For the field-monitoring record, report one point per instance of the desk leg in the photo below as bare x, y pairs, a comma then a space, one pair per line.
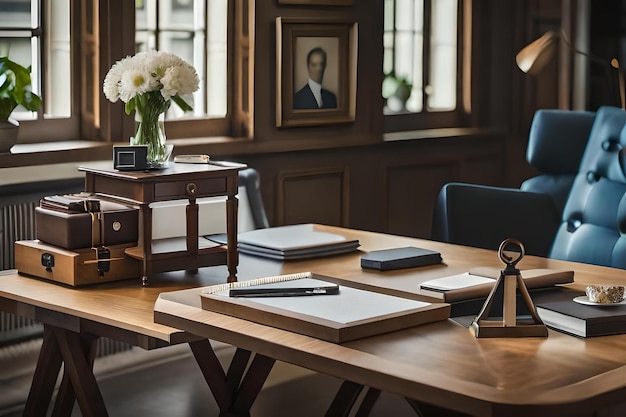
232, 260
77, 353
145, 240
423, 409
44, 379
79, 369
344, 400
236, 390
66, 396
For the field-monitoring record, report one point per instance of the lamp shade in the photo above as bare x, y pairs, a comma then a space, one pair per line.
534, 57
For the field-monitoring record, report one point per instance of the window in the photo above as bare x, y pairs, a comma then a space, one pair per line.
197, 32
24, 40
423, 60
68, 71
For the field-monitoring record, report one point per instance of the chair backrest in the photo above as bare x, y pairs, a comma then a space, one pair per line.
556, 143
483, 216
593, 226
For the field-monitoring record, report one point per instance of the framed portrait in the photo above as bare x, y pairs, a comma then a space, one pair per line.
318, 2
316, 71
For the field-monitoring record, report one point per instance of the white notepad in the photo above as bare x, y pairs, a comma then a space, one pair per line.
455, 282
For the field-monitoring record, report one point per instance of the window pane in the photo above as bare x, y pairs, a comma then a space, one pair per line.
216, 61
18, 45
15, 14
406, 56
196, 31
443, 61
414, 104
58, 94
404, 15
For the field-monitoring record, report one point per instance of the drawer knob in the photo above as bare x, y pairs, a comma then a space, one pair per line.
191, 190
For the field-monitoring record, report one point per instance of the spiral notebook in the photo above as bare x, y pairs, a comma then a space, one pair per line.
348, 314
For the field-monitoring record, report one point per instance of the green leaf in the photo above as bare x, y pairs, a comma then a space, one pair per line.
15, 88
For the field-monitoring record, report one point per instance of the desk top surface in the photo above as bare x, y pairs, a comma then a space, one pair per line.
442, 361
105, 168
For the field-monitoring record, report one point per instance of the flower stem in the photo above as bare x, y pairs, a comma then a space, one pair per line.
150, 106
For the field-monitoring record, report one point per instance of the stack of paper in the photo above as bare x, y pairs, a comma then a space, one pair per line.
299, 241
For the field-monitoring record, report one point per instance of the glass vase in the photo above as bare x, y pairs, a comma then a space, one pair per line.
151, 132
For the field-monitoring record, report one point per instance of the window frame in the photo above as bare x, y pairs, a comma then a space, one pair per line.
115, 124
106, 31
42, 129
461, 115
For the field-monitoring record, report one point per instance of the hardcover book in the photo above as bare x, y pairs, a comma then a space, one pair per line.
583, 320
398, 258
479, 281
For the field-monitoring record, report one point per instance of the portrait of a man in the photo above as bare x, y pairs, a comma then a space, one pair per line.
313, 95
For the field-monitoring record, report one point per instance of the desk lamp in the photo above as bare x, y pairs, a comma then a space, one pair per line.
534, 57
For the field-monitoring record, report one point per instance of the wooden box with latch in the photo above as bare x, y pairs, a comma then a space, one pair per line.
75, 267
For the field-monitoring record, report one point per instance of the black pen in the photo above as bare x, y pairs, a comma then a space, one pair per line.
283, 292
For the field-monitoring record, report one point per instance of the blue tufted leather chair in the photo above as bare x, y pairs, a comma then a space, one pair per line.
575, 210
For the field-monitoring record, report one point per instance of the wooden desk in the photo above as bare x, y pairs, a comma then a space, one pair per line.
441, 364
476, 376
178, 182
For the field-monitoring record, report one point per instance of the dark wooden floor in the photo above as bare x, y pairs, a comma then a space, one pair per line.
170, 384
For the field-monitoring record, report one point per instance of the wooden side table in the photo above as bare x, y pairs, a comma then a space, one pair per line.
177, 182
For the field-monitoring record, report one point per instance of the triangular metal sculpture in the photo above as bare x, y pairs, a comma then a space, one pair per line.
510, 280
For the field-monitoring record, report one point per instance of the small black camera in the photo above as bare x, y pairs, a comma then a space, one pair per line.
130, 157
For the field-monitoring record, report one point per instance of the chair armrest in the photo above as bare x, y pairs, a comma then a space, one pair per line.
483, 216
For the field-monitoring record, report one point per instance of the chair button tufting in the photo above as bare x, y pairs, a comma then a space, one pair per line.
611, 145
573, 225
592, 177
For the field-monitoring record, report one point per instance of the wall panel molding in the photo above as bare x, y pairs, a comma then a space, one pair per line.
315, 195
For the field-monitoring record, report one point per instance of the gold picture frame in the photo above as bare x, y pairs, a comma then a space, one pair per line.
329, 43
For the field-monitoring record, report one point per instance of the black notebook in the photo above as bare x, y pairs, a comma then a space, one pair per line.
583, 320
397, 258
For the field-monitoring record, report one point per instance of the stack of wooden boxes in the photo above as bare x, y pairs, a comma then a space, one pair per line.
81, 240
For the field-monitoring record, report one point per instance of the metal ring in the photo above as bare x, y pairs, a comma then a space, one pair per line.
508, 259
191, 189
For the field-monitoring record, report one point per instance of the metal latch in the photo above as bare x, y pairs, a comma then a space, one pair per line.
47, 260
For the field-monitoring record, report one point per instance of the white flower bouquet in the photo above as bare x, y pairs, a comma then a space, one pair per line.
148, 82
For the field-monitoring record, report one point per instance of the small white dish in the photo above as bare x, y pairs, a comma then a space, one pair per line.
583, 299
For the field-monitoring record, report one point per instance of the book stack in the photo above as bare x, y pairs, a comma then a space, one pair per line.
291, 242
478, 282
582, 320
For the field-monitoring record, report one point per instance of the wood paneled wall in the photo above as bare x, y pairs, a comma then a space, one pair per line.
388, 187
348, 175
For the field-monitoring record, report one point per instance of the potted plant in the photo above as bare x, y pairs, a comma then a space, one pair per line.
396, 90
15, 90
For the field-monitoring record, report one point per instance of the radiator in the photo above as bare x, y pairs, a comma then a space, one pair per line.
18, 223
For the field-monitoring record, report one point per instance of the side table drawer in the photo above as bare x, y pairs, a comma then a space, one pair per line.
176, 190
